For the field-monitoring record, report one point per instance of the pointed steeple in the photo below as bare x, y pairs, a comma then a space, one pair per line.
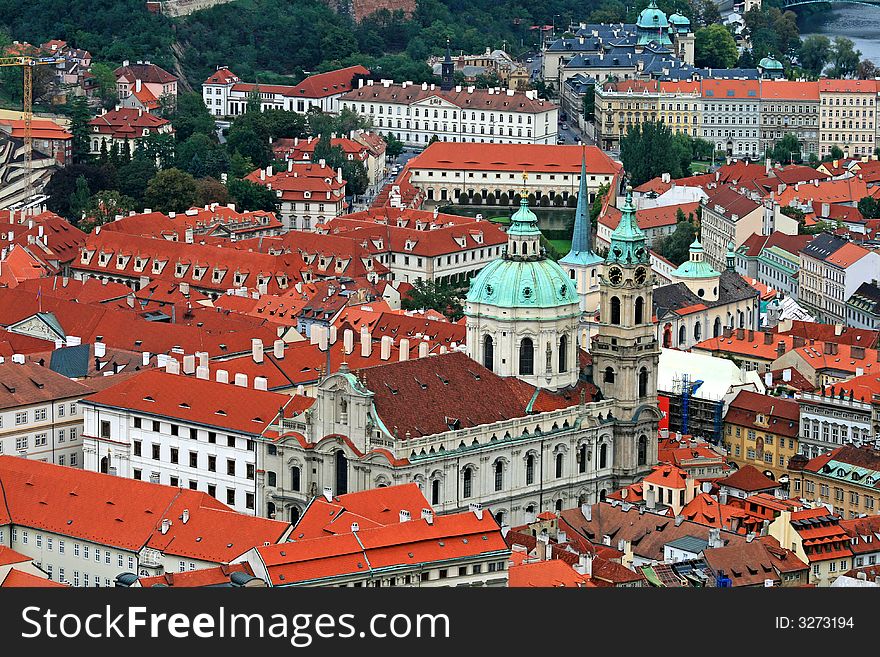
524, 236
628, 241
447, 71
580, 252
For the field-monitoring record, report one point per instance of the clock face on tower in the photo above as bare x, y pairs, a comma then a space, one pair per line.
615, 275
641, 275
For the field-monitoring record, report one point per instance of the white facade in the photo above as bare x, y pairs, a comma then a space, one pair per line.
172, 452
828, 423
47, 431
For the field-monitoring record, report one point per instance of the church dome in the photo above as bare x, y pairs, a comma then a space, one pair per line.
770, 63
652, 18
523, 284
678, 19
524, 277
696, 266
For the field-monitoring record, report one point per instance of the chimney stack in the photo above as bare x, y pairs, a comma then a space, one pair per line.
257, 350
428, 516
241, 380
366, 342
477, 509
202, 372
261, 383
348, 341
328, 493
145, 359
172, 366
100, 349
404, 349
386, 342
222, 376
278, 349
423, 349
189, 364
404, 515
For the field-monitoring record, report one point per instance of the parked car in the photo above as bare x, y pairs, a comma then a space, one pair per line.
529, 60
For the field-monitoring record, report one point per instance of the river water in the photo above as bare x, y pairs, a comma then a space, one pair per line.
859, 23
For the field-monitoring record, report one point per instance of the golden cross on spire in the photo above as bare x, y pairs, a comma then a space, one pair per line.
525, 189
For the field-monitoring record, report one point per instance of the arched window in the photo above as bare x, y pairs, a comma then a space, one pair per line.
643, 382
559, 504
526, 356
559, 465
513, 247
742, 319
468, 482
698, 331
499, 518
295, 477
270, 509
563, 353
271, 478
615, 310
294, 515
667, 335
608, 377
582, 458
643, 450
530, 469
499, 475
640, 310
716, 328
488, 352
682, 335
603, 455
435, 491
341, 473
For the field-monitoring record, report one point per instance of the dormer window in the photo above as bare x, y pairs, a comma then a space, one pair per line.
217, 275
140, 263
238, 279
198, 272
121, 261
158, 265
103, 259
410, 244
307, 195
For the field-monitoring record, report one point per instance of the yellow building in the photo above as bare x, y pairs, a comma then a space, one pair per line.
845, 478
761, 431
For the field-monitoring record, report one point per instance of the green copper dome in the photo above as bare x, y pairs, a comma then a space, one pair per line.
523, 284
652, 18
628, 241
696, 266
678, 19
770, 63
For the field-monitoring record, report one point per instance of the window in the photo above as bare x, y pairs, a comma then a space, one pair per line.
39, 414
230, 496
559, 462
563, 353
174, 455
435, 491
156, 452
105, 429
250, 471
271, 478
499, 475
137, 447
615, 310
230, 467
488, 352
212, 463
294, 477
249, 500
530, 469
468, 482
194, 459
526, 357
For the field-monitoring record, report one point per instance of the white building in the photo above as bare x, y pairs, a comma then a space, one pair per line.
86, 528
418, 113
227, 96
183, 431
41, 416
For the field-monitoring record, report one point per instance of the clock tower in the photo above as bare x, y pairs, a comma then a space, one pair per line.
625, 349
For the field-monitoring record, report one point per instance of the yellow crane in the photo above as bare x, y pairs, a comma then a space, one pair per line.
27, 62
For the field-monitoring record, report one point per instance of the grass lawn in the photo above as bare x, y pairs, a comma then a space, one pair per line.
562, 246
699, 167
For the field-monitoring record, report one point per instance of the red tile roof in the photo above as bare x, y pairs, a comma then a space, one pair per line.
848, 86
145, 72
752, 563
205, 402
650, 217
535, 158
9, 556
749, 479
668, 476
847, 255
782, 416
475, 99
197, 578
22, 384
20, 579
544, 574
127, 122
731, 202
127, 514
833, 333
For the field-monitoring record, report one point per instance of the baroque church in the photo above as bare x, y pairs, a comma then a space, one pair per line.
523, 419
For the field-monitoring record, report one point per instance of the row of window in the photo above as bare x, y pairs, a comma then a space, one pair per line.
181, 431
23, 443
232, 495
41, 414
193, 460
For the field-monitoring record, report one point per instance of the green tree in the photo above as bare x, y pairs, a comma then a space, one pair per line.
79, 128
202, 156
714, 47
159, 147
355, 175
867, 70
132, 178
106, 79
393, 146
869, 207
62, 185
248, 195
814, 53
589, 103
703, 13
683, 150
843, 58
787, 150
649, 150
171, 190
103, 207
435, 296
191, 116
210, 190
79, 200
676, 247
251, 142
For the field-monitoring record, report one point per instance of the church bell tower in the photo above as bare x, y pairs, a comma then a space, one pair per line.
447, 71
625, 349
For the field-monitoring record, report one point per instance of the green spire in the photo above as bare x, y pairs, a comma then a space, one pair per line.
581, 253
628, 241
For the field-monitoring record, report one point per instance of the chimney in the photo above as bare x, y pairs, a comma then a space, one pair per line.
348, 341
650, 498
584, 565
786, 374
257, 350
185, 516
261, 383
202, 372
278, 349
722, 496
715, 540
797, 342
477, 509
202, 357
428, 516
423, 349
189, 364
172, 366
222, 376
241, 380
366, 342
768, 379
328, 493
332, 334
73, 341
100, 349
838, 329
768, 337
355, 528
587, 512
323, 335
404, 349
780, 348
145, 359
386, 343
740, 334
404, 515
166, 525
750, 537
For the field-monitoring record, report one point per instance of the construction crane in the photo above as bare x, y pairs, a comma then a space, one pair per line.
27, 63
